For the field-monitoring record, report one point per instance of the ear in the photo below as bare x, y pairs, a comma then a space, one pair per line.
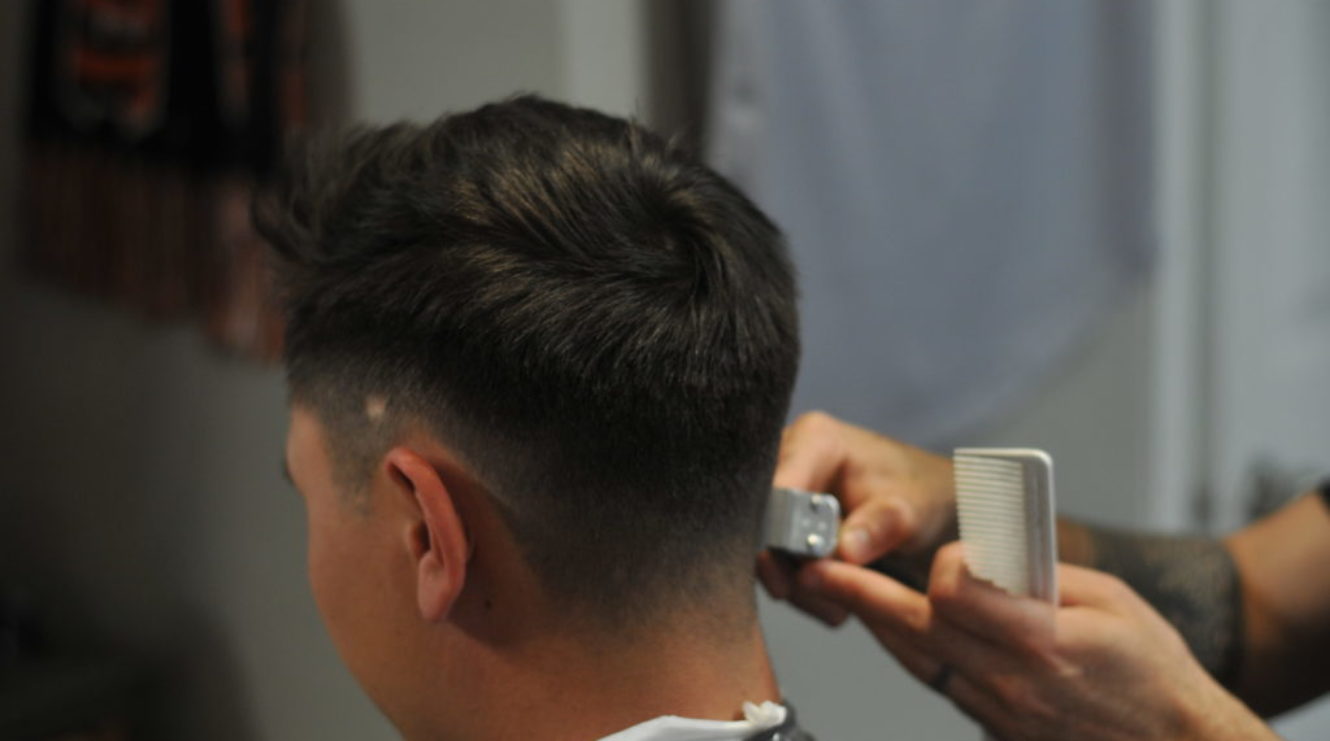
437, 538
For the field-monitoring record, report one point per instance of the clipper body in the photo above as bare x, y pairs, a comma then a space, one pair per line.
802, 523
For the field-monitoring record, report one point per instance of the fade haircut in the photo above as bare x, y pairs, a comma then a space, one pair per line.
602, 327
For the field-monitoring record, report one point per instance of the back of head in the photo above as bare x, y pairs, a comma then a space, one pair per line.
599, 325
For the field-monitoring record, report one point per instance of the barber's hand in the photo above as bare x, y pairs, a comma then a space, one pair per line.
1102, 667
897, 499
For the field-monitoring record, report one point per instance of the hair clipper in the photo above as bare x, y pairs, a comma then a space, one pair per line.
802, 523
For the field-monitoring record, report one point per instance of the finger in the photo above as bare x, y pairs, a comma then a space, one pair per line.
901, 619
873, 597
1092, 600
875, 529
921, 664
774, 577
983, 609
829, 613
943, 645
777, 574
1082, 587
922, 651
973, 670
979, 703
812, 453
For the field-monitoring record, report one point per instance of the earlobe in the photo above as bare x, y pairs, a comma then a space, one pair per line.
437, 537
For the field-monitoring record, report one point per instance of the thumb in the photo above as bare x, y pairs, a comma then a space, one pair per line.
1082, 587
874, 529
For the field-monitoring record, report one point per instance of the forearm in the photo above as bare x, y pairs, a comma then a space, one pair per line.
1254, 607
1284, 563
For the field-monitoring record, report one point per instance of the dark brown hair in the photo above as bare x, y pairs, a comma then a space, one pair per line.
602, 326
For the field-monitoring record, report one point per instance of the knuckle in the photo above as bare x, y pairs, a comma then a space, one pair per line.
1114, 588
1068, 673
951, 556
945, 589
944, 593
816, 421
1024, 699
1009, 691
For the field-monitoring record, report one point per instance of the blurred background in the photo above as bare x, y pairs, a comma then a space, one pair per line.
1100, 228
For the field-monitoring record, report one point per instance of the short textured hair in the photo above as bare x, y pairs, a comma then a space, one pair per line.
600, 325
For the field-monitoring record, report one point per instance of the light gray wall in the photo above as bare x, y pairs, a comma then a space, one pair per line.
414, 60
1092, 416
140, 498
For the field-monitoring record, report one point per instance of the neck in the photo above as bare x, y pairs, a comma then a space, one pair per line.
575, 689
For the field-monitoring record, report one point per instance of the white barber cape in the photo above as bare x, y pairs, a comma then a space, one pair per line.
757, 718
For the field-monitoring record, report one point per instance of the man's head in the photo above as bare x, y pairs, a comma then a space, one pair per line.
565, 320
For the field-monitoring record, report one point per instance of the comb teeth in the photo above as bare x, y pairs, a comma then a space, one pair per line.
990, 498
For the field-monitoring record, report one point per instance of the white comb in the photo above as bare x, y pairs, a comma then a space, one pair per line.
1004, 498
